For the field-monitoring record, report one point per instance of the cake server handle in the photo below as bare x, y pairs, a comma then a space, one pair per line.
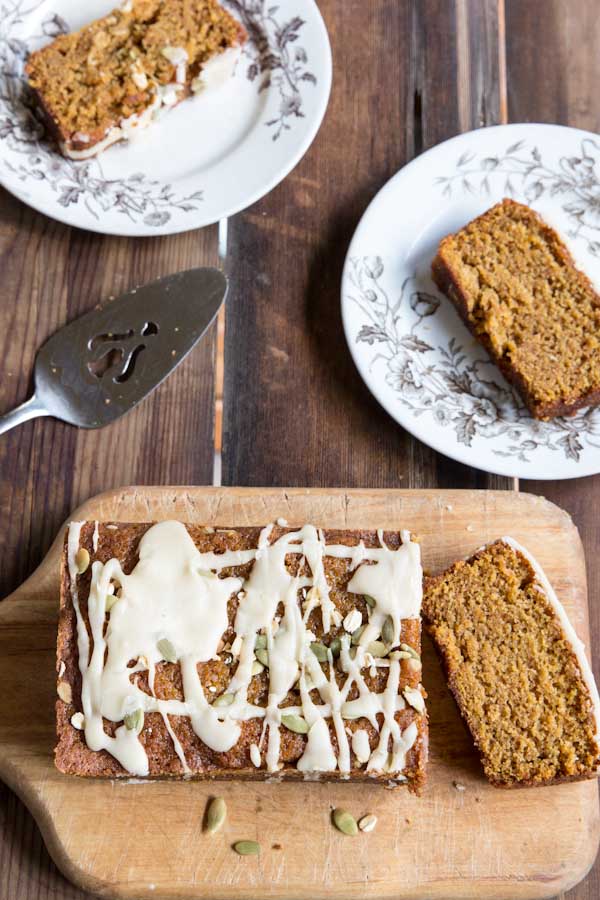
28, 410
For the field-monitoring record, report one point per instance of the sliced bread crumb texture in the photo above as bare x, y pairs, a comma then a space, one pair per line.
513, 669
90, 81
514, 283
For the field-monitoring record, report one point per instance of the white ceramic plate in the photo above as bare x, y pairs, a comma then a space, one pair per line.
409, 344
207, 159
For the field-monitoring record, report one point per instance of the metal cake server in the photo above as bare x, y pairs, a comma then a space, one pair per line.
97, 368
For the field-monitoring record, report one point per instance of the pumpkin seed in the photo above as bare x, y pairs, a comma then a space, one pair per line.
387, 632
134, 721
78, 721
353, 620
247, 848
377, 649
295, 723
370, 601
399, 654
216, 813
410, 650
82, 560
335, 647
345, 822
352, 652
64, 691
356, 635
261, 642
262, 656
110, 601
167, 650
368, 822
257, 667
414, 698
224, 700
320, 651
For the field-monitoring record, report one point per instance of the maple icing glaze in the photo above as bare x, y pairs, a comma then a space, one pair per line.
174, 603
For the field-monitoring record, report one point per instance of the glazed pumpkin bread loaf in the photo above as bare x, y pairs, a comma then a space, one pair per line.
240, 653
516, 669
515, 285
107, 81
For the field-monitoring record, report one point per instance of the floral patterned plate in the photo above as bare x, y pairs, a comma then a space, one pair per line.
409, 344
210, 157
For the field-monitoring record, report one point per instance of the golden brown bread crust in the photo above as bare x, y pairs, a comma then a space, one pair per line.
121, 540
451, 673
450, 283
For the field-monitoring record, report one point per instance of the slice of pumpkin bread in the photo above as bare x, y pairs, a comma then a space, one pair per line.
514, 283
109, 80
516, 668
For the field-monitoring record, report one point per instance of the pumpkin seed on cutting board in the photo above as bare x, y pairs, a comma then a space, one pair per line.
247, 848
345, 822
216, 813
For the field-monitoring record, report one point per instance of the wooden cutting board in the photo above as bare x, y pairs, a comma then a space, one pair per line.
461, 839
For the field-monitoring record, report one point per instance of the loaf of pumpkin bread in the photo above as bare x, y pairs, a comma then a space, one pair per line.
189, 651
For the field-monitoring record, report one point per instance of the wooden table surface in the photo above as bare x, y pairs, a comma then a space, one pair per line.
407, 74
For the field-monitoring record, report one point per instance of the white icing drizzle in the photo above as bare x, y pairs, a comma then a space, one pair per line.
577, 645
95, 537
318, 755
173, 597
360, 745
216, 71
255, 756
381, 581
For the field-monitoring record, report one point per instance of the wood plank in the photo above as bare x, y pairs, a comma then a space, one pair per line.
553, 65
50, 275
431, 838
295, 410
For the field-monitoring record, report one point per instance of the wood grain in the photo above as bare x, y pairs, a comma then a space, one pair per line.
560, 85
407, 75
434, 854
50, 275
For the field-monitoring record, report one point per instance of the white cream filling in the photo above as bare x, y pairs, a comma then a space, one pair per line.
173, 599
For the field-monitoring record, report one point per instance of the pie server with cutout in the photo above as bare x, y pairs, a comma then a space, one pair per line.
97, 368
